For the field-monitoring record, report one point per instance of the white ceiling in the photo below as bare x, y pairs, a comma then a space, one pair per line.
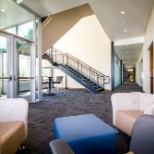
129, 53
13, 14
108, 13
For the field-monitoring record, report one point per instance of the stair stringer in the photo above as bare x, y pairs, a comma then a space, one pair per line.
79, 80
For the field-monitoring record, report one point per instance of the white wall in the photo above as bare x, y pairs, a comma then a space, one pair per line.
88, 42
149, 38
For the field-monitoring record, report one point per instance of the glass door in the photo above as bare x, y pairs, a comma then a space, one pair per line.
17, 67
4, 77
24, 69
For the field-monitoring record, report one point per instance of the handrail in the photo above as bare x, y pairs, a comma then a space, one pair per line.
84, 69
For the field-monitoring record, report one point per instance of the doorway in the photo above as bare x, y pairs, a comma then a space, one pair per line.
17, 67
151, 63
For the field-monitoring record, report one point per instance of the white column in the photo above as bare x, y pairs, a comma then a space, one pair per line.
33, 64
39, 61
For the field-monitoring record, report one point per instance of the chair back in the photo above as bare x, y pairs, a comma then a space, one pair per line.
14, 109
142, 141
59, 79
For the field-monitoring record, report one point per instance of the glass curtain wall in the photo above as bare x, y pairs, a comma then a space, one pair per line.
3, 66
26, 26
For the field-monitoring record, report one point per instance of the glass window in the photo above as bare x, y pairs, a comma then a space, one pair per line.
11, 30
45, 72
2, 44
24, 66
26, 30
4, 65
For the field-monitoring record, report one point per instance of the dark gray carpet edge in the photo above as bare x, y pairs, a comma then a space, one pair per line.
74, 102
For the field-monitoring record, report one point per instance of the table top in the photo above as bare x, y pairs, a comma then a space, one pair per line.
50, 77
82, 126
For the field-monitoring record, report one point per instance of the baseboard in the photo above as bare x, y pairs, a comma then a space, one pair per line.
75, 88
70, 88
107, 90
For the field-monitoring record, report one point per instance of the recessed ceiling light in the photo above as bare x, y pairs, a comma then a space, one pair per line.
127, 52
2, 10
124, 22
125, 30
19, 1
123, 12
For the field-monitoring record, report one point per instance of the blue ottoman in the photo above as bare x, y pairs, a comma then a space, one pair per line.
86, 134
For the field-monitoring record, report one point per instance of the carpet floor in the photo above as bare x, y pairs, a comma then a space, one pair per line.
73, 102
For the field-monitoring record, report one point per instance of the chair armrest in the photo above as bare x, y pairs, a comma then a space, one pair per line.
149, 109
59, 146
14, 109
124, 101
130, 152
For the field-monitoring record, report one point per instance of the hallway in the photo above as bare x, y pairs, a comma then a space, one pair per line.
129, 86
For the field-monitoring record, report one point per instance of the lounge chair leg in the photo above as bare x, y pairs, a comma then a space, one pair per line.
22, 147
117, 131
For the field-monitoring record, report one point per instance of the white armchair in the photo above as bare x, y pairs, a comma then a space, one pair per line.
127, 107
13, 124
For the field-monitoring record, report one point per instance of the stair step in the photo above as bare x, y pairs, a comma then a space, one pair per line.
100, 89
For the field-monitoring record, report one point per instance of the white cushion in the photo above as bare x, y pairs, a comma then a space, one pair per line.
125, 101
144, 100
149, 109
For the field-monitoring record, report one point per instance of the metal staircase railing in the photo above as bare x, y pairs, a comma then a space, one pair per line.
85, 70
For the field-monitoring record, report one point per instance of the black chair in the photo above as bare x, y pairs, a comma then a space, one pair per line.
142, 140
59, 146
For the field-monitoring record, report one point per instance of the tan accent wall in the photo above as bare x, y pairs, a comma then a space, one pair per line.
61, 23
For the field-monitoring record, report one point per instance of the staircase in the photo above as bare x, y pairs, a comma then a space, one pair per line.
87, 76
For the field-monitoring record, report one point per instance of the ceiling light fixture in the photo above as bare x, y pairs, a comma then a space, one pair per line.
125, 30
2, 10
19, 1
127, 52
123, 12
124, 22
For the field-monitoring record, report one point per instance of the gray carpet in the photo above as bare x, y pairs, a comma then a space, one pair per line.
74, 102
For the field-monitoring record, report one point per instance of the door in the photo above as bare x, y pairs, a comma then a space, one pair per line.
24, 69
5, 78
17, 67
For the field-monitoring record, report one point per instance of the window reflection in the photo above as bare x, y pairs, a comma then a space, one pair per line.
26, 30
11, 30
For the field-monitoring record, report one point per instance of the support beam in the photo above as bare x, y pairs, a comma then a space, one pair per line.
112, 66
